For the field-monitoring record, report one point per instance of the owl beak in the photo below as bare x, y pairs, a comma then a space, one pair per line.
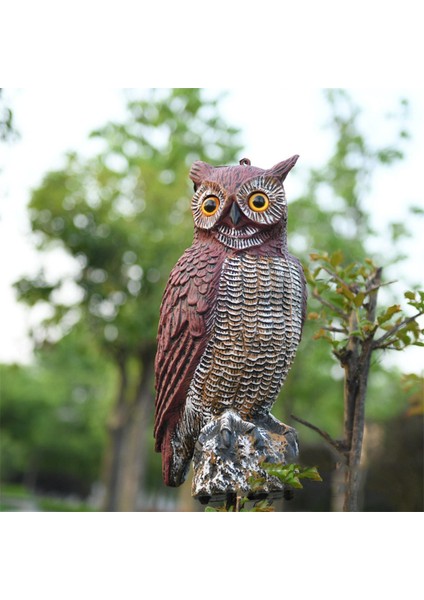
235, 213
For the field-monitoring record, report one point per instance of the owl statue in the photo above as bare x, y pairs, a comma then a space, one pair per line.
232, 312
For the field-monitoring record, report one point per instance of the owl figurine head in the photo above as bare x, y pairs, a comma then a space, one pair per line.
240, 206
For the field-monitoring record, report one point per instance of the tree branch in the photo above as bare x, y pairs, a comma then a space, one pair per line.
335, 330
380, 343
337, 444
380, 285
332, 307
339, 279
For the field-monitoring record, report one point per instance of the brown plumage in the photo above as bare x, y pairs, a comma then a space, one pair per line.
232, 311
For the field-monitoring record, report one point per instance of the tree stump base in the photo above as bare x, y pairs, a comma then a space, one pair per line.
229, 453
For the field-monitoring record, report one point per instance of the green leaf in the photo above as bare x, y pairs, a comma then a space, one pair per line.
322, 334
256, 482
392, 310
410, 295
262, 506
346, 292
292, 473
313, 316
316, 256
294, 482
311, 473
243, 501
337, 258
359, 299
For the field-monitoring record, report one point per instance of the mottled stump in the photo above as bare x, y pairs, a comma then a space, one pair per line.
229, 453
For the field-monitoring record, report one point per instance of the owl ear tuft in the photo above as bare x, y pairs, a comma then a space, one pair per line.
199, 171
282, 169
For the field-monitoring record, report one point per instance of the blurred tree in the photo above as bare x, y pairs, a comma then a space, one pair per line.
124, 216
413, 385
355, 326
8, 131
332, 215
53, 415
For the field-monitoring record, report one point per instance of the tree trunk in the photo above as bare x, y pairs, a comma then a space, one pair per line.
137, 430
357, 362
126, 454
338, 486
116, 427
352, 481
351, 380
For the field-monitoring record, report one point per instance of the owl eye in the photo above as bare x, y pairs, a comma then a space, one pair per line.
210, 205
258, 202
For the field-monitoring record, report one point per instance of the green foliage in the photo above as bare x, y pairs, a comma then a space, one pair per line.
53, 415
16, 497
413, 385
58, 505
124, 215
290, 475
355, 328
345, 293
332, 214
7, 126
124, 218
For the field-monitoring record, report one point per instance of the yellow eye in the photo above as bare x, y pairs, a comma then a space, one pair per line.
258, 201
210, 205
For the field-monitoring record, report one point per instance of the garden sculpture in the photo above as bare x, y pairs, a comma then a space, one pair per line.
230, 324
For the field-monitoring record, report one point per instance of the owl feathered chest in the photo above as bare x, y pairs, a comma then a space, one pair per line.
254, 334
250, 301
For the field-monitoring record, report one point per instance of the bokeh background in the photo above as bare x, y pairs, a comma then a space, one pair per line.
95, 212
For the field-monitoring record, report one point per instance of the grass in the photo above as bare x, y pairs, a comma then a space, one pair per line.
13, 496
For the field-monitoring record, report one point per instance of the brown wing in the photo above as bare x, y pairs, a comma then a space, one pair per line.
184, 328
